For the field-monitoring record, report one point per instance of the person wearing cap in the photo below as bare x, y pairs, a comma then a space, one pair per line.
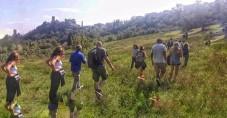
158, 59
100, 70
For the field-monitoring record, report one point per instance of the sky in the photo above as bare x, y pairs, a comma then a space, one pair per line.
26, 15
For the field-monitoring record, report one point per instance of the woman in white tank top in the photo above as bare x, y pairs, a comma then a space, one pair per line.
12, 80
57, 78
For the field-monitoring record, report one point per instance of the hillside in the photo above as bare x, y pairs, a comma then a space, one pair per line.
180, 17
200, 90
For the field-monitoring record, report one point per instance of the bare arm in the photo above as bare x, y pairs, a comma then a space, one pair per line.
181, 53
51, 63
145, 55
109, 63
152, 58
3, 67
6, 68
164, 54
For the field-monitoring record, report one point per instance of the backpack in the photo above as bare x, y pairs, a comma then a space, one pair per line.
140, 56
92, 58
185, 50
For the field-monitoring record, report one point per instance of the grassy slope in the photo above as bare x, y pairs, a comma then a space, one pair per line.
200, 90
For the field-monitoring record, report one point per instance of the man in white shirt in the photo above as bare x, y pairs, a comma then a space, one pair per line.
158, 58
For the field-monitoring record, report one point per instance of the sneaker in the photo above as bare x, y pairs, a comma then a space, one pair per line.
142, 78
80, 86
98, 93
158, 81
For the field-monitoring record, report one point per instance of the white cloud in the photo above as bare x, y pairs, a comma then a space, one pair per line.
49, 17
5, 31
72, 10
21, 21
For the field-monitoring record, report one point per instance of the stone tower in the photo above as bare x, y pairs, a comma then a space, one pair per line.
14, 32
53, 19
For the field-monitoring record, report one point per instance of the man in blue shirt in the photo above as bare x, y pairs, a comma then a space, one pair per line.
76, 59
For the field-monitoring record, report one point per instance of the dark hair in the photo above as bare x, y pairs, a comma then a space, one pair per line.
141, 48
58, 51
159, 40
14, 56
135, 46
186, 44
78, 48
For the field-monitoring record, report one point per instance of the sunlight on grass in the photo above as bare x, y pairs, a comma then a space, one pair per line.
199, 91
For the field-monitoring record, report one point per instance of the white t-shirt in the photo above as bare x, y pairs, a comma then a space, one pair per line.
13, 70
157, 51
58, 64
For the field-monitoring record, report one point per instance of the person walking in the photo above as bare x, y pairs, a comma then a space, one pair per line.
135, 50
158, 58
12, 80
186, 49
175, 55
57, 78
140, 62
76, 59
98, 68
170, 43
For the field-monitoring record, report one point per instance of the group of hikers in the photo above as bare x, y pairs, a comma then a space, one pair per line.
160, 59
96, 58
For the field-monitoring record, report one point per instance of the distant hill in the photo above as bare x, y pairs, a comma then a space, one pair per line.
197, 15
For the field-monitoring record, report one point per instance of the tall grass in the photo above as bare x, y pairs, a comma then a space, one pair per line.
200, 89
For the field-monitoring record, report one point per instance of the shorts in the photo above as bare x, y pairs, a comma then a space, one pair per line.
99, 71
160, 67
143, 65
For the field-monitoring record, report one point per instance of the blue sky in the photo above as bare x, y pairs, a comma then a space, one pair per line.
25, 15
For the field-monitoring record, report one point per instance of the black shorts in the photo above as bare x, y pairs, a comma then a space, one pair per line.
143, 65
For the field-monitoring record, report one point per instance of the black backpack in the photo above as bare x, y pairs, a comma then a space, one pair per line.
140, 56
92, 58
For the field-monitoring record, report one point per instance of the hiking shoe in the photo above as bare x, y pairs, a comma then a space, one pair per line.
98, 93
158, 82
80, 86
142, 78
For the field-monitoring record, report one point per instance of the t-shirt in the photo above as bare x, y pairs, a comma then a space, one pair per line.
76, 59
135, 52
101, 54
157, 51
186, 50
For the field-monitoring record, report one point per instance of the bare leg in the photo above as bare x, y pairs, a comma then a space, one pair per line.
96, 85
161, 74
76, 114
71, 115
171, 71
176, 70
53, 113
101, 84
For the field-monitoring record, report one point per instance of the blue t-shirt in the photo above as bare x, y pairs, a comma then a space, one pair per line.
76, 59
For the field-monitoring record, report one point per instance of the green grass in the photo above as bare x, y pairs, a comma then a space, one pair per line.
200, 89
